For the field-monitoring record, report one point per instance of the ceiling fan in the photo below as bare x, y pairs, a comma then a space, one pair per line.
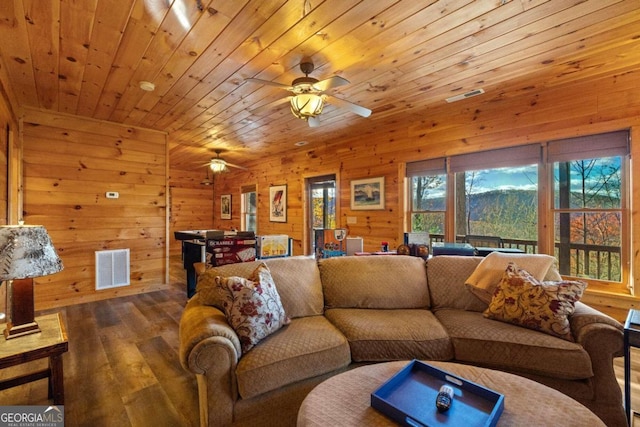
218, 164
309, 95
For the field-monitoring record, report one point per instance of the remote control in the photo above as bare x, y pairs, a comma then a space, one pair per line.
444, 398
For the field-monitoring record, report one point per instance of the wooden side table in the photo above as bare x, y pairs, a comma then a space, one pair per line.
51, 342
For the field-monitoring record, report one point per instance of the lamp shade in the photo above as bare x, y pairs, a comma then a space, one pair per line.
26, 251
306, 105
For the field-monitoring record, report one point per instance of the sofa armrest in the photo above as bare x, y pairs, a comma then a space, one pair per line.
203, 325
210, 348
603, 338
586, 321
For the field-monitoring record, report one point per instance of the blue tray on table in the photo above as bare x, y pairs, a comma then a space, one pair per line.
409, 399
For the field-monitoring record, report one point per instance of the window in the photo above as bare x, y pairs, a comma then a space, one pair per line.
322, 205
589, 205
500, 202
428, 188
497, 193
249, 208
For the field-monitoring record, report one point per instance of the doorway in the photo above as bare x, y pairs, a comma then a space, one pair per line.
322, 205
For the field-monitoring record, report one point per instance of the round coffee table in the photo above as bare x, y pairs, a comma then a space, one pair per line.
345, 399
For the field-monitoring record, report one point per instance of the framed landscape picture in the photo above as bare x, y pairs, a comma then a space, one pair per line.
278, 203
367, 194
225, 206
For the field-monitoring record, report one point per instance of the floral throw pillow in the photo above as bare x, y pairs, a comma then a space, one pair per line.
252, 305
523, 300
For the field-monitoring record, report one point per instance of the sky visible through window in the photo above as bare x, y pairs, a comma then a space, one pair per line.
525, 178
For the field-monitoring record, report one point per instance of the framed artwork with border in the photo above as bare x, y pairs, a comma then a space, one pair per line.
367, 194
225, 206
278, 203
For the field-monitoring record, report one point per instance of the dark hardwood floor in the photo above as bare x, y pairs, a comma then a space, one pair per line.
122, 368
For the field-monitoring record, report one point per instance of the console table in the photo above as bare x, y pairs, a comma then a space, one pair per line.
51, 342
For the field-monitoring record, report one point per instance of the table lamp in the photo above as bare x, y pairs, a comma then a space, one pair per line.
26, 252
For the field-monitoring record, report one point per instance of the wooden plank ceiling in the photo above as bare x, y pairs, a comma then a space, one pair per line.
402, 58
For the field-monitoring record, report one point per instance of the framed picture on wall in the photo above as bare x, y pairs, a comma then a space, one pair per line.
225, 206
278, 203
367, 194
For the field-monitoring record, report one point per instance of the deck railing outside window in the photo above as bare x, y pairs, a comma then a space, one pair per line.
594, 261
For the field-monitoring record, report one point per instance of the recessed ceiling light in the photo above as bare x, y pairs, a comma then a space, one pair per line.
301, 143
147, 86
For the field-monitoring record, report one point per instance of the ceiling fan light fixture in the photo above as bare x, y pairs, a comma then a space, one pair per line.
217, 165
306, 105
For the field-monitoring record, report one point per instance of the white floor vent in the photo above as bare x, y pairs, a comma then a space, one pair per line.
112, 269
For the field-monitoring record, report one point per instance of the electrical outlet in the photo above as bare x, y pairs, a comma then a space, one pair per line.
112, 195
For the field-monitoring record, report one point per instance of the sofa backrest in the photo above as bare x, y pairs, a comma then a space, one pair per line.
297, 280
446, 275
378, 281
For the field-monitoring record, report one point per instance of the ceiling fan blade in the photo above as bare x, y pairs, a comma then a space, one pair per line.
269, 106
330, 83
314, 122
236, 166
270, 83
355, 108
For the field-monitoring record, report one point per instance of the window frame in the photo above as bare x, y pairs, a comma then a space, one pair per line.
413, 211
244, 211
624, 286
549, 150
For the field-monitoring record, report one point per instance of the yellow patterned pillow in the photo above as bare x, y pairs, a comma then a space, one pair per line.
523, 300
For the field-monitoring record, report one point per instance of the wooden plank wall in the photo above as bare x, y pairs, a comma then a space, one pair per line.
69, 165
8, 131
480, 123
191, 204
7, 126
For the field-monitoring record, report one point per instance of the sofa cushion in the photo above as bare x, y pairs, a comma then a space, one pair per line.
297, 280
446, 276
485, 342
252, 305
308, 347
379, 335
391, 281
522, 300
484, 279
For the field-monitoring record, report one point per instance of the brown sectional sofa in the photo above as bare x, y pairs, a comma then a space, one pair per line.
348, 311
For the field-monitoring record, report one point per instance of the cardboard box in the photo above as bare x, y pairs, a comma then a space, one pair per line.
230, 250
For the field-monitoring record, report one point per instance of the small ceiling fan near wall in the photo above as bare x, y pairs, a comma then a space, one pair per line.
206, 180
218, 164
309, 95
